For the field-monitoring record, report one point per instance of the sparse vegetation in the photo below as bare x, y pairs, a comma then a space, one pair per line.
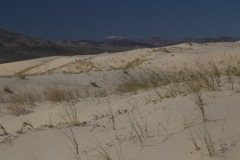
74, 146
55, 94
198, 100
134, 63
71, 116
202, 140
101, 150
138, 99
186, 81
59, 95
192, 137
111, 115
140, 129
28, 98
18, 110
140, 83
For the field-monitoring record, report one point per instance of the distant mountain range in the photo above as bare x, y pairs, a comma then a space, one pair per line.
16, 47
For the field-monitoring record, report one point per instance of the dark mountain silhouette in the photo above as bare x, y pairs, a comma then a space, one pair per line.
16, 47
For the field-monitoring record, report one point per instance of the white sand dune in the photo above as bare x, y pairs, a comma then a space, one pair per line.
147, 126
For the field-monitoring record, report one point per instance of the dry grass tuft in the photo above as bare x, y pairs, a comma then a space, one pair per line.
54, 94
198, 100
59, 95
18, 110
74, 147
132, 64
27, 98
101, 151
71, 116
202, 140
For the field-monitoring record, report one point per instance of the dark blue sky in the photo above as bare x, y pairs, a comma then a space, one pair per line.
94, 19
